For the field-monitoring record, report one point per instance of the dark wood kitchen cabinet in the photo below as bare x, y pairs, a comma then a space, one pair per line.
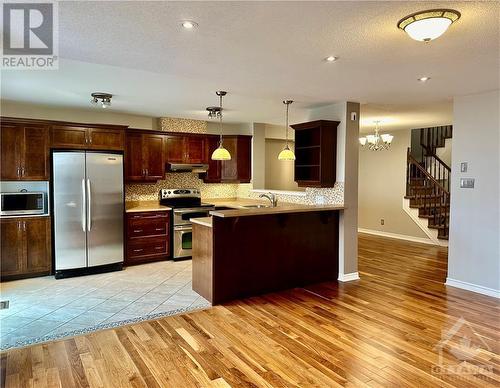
316, 153
144, 157
185, 149
78, 137
148, 236
236, 170
25, 151
25, 247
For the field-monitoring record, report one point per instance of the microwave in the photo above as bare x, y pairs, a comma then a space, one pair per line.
23, 203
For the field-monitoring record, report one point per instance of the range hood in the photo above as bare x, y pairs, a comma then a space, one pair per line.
188, 167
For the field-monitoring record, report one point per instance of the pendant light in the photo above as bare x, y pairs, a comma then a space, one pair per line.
286, 153
220, 152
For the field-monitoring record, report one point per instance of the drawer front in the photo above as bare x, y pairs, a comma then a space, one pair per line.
147, 247
148, 215
148, 227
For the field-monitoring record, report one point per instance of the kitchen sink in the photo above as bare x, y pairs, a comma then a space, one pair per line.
254, 206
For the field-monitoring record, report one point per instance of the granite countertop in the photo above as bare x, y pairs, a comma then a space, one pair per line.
205, 221
145, 206
237, 210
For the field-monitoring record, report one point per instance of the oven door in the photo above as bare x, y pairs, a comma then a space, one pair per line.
183, 241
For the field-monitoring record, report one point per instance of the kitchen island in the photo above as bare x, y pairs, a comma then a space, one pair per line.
241, 252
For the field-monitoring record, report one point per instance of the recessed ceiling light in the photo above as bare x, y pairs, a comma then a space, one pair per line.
424, 79
189, 25
331, 58
428, 25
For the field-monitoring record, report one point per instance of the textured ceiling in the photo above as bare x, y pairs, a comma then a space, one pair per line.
261, 52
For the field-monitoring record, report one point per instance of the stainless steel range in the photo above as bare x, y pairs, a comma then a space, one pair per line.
186, 204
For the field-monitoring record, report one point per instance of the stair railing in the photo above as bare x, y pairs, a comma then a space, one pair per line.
431, 138
431, 195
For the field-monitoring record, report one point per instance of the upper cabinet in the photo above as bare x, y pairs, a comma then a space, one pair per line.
25, 151
77, 137
185, 149
144, 157
236, 170
316, 153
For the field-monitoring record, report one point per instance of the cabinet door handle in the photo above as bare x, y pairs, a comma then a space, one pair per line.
138, 250
137, 230
159, 229
158, 248
18, 171
23, 170
24, 226
18, 225
147, 171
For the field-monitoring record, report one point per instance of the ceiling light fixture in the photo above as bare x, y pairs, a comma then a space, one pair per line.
104, 99
220, 152
213, 112
377, 142
424, 79
189, 25
428, 25
286, 153
331, 58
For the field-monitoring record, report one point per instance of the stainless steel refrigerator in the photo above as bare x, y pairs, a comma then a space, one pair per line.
88, 212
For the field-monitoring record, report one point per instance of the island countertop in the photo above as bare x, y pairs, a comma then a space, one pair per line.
145, 206
238, 209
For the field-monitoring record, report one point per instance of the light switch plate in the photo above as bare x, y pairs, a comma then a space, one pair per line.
467, 183
463, 167
353, 116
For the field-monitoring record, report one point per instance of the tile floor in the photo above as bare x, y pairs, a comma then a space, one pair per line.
45, 308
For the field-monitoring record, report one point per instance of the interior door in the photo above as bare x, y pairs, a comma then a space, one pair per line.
105, 208
70, 243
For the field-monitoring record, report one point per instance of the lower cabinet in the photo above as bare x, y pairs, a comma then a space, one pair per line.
148, 237
25, 247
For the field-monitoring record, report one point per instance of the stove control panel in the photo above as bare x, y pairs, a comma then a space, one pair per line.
180, 193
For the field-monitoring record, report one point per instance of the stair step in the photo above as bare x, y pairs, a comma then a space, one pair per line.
445, 237
423, 196
447, 214
437, 227
419, 206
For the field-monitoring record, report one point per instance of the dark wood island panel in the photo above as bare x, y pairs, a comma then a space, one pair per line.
245, 256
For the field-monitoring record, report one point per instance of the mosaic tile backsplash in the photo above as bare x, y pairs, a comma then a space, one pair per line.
171, 124
181, 180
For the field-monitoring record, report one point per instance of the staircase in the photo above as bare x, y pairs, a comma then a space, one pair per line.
428, 179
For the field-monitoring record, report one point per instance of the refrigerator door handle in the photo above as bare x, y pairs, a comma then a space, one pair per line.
89, 206
84, 201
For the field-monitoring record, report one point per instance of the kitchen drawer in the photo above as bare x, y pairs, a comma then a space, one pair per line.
148, 215
148, 227
147, 248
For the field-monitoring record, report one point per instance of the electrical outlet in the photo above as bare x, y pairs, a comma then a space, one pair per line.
382, 221
4, 304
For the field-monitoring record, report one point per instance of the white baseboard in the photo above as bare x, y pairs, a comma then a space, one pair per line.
397, 236
473, 287
348, 277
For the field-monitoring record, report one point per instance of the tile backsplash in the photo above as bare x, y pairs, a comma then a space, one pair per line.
182, 180
171, 124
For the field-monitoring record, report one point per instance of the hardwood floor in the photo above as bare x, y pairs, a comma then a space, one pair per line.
381, 331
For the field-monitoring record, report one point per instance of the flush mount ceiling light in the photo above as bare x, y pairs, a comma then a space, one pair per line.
213, 112
189, 24
286, 153
103, 99
220, 152
377, 142
424, 79
428, 25
331, 58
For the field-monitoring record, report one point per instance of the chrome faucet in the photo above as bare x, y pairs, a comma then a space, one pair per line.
271, 197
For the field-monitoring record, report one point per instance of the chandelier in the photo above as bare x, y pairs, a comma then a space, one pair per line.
103, 99
377, 142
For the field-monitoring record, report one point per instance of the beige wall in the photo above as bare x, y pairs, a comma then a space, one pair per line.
382, 186
279, 173
474, 253
93, 115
